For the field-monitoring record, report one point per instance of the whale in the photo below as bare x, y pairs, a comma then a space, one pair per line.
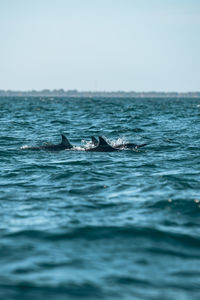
120, 146
101, 146
65, 144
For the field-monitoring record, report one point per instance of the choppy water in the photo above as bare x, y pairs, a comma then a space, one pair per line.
81, 225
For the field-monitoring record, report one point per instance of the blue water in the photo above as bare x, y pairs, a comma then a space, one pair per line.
86, 225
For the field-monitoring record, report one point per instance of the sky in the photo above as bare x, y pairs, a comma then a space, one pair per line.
100, 45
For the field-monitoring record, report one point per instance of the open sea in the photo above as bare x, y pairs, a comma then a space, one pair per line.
90, 225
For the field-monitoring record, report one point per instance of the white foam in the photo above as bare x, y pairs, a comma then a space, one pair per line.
24, 147
87, 144
75, 148
119, 141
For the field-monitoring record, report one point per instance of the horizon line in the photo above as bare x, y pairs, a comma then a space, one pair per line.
94, 91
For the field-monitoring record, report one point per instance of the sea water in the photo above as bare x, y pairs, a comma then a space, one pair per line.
88, 225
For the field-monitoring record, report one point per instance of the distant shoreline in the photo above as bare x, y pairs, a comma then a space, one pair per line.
93, 94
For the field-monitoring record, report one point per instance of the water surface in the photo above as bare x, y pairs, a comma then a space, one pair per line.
82, 225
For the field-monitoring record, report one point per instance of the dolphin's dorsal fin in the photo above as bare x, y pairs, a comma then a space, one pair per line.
104, 145
102, 142
65, 142
94, 140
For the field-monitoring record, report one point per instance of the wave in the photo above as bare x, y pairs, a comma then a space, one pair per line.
190, 207
110, 232
87, 290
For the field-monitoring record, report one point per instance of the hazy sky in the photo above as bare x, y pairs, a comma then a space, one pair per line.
139, 45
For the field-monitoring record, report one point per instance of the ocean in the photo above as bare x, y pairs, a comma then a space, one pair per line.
99, 225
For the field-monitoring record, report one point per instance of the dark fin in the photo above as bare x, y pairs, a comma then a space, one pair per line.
65, 142
94, 140
104, 145
139, 146
102, 142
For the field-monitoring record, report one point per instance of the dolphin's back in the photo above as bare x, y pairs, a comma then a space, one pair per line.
102, 146
65, 144
119, 146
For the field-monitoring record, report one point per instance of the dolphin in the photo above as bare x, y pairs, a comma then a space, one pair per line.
120, 146
129, 146
65, 144
102, 146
